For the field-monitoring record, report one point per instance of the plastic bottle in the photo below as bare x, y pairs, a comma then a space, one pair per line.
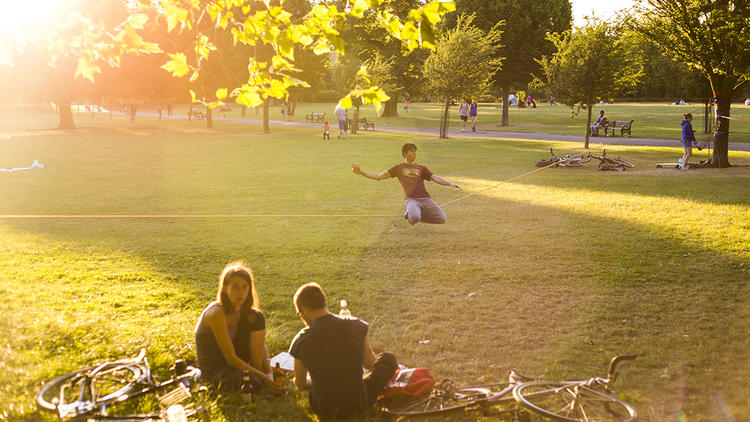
344, 309
176, 413
278, 379
247, 388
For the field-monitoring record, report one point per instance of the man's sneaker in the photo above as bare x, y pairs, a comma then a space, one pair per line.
473, 129
684, 168
406, 215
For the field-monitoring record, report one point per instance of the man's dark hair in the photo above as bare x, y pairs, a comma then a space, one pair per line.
408, 147
310, 296
601, 112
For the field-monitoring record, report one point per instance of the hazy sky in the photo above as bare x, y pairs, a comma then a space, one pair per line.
602, 8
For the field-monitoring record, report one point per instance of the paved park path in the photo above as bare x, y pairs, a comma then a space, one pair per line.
486, 134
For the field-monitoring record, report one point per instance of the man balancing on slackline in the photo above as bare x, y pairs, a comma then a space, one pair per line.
419, 205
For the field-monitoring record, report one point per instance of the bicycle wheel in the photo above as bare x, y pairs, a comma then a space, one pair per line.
441, 400
622, 162
109, 382
573, 402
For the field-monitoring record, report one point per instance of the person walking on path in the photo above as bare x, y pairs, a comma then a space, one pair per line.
342, 115
463, 113
132, 110
473, 115
333, 349
419, 205
688, 137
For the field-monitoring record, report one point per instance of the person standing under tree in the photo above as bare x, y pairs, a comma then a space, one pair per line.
419, 205
688, 137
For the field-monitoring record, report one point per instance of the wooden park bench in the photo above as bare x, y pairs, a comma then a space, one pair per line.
315, 118
623, 125
364, 124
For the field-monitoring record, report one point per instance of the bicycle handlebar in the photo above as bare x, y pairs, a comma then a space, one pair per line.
611, 375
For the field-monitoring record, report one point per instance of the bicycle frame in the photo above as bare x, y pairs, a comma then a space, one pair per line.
89, 403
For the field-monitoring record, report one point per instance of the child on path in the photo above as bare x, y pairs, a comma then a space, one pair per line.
688, 137
326, 131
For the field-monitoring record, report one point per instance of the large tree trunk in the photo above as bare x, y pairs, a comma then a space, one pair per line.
353, 129
504, 92
266, 127
390, 107
722, 89
66, 116
588, 126
209, 117
444, 120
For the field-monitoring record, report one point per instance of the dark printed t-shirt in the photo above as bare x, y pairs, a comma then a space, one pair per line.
332, 350
412, 177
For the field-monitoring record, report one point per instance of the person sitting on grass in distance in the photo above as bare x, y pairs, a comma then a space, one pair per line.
419, 205
332, 350
230, 336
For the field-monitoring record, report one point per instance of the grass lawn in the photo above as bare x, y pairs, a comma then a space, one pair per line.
552, 274
652, 120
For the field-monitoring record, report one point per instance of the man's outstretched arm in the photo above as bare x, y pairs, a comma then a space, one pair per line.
440, 181
374, 176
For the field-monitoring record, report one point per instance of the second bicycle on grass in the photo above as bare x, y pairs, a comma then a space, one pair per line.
590, 400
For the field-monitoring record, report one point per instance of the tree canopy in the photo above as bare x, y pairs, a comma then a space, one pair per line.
712, 36
590, 65
527, 23
462, 64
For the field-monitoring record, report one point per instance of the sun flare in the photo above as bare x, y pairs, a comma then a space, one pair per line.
21, 17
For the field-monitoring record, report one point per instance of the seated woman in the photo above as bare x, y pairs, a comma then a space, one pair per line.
230, 335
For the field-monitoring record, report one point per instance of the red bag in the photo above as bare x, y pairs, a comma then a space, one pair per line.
408, 383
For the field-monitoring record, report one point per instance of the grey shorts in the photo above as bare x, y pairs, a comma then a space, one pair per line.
424, 210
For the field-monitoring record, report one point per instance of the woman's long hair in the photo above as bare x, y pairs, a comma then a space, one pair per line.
242, 270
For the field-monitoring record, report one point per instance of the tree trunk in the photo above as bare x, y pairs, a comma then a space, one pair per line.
266, 127
244, 110
721, 137
209, 117
444, 120
588, 126
353, 129
190, 113
390, 107
66, 116
504, 92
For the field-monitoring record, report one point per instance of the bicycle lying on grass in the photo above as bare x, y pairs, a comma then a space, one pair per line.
568, 401
616, 164
579, 159
567, 160
124, 390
